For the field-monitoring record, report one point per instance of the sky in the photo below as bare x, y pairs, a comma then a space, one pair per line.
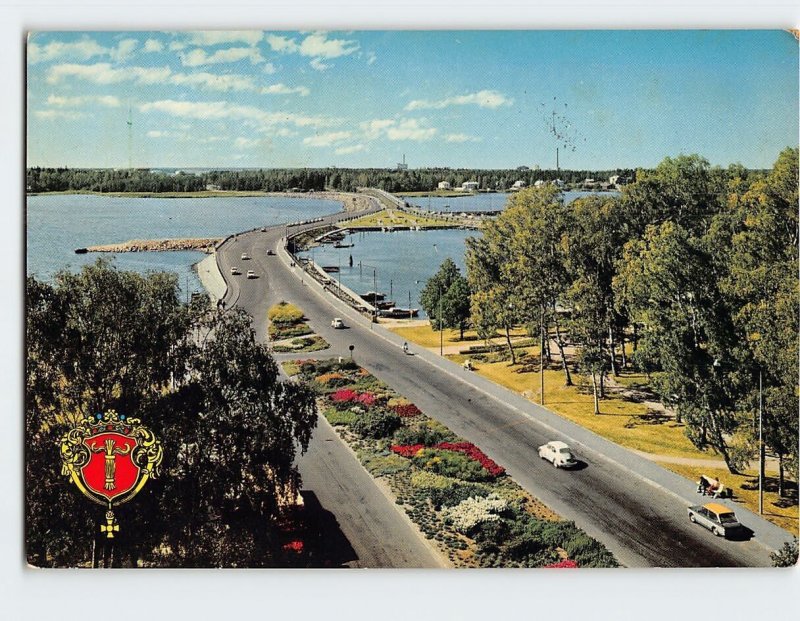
477, 99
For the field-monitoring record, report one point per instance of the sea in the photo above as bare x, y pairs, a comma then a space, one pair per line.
397, 264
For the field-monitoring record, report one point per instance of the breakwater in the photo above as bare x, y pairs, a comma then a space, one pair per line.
202, 244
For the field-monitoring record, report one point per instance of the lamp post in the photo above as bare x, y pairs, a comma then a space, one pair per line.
441, 326
760, 444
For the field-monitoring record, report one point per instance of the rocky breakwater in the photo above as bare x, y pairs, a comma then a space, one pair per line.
205, 244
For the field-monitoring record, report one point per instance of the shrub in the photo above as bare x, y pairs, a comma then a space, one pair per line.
473, 511
450, 464
379, 465
473, 452
456, 493
340, 417
424, 434
284, 313
375, 423
344, 395
406, 410
564, 564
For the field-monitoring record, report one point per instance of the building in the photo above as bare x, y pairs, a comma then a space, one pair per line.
444, 185
538, 183
402, 165
518, 185
523, 168
470, 186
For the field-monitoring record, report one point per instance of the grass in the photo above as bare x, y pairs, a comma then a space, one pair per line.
784, 516
303, 345
422, 334
394, 217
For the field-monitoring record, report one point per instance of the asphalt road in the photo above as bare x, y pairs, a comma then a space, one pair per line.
644, 525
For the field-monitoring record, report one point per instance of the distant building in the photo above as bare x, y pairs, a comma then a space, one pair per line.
538, 183
402, 165
213, 187
613, 179
518, 185
469, 186
523, 168
444, 185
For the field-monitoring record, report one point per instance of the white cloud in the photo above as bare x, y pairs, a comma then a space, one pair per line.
284, 132
327, 139
355, 148
317, 64
84, 49
74, 102
153, 45
214, 110
269, 68
246, 143
373, 129
484, 99
104, 73
282, 44
198, 56
282, 89
52, 114
460, 138
318, 45
217, 37
371, 58
153, 133
124, 49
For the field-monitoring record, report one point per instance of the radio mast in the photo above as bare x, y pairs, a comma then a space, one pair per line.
130, 137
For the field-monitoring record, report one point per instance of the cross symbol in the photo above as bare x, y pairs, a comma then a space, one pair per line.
111, 526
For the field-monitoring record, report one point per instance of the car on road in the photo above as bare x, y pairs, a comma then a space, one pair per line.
245, 256
716, 517
558, 454
263, 229
235, 270
270, 253
251, 274
337, 323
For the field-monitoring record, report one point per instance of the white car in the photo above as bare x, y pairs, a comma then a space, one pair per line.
337, 323
558, 454
235, 271
245, 256
251, 274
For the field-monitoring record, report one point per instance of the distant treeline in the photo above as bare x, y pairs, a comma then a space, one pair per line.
303, 179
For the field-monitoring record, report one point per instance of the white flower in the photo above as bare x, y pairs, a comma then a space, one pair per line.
474, 510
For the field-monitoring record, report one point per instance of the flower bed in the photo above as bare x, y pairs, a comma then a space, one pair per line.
455, 494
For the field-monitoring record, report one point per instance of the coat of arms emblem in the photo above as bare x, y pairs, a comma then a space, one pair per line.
110, 457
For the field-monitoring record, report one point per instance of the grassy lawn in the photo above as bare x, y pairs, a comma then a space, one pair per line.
422, 334
394, 217
784, 516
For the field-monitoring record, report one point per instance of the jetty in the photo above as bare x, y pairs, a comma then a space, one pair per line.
203, 244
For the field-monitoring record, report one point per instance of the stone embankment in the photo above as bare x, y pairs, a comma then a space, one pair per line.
205, 244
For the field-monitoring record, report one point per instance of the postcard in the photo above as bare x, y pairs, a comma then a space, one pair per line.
411, 299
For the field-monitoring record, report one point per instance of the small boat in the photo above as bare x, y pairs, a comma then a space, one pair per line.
341, 245
386, 304
373, 296
81, 250
399, 313
330, 269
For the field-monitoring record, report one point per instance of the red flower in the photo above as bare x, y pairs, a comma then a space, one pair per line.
407, 450
344, 395
366, 398
293, 546
406, 410
565, 564
474, 453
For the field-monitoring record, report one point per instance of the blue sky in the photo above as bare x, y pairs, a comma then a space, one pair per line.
489, 99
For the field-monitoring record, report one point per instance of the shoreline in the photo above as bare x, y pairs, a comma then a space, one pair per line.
211, 278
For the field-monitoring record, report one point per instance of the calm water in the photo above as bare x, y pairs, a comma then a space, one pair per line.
58, 224
476, 202
401, 262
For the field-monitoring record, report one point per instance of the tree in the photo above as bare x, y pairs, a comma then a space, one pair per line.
453, 289
786, 556
230, 429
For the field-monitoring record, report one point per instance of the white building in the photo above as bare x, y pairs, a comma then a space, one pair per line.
469, 186
538, 183
444, 185
518, 185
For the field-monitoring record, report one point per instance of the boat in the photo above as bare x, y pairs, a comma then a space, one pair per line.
341, 245
386, 304
81, 250
399, 313
330, 269
373, 296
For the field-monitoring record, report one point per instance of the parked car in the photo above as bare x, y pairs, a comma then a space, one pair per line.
235, 270
245, 256
263, 229
558, 454
251, 274
337, 323
716, 517
270, 253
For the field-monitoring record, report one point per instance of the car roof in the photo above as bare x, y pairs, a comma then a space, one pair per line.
558, 444
715, 507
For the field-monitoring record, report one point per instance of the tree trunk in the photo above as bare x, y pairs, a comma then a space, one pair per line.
612, 351
560, 344
546, 338
622, 348
594, 392
602, 384
510, 348
635, 338
719, 444
781, 482
461, 330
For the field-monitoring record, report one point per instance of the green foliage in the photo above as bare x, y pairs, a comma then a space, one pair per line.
104, 339
450, 464
786, 556
382, 464
375, 423
284, 313
427, 432
340, 417
448, 291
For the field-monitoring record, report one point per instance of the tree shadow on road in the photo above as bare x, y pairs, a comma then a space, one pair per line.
328, 545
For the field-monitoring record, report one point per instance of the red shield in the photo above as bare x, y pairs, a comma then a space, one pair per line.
110, 471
